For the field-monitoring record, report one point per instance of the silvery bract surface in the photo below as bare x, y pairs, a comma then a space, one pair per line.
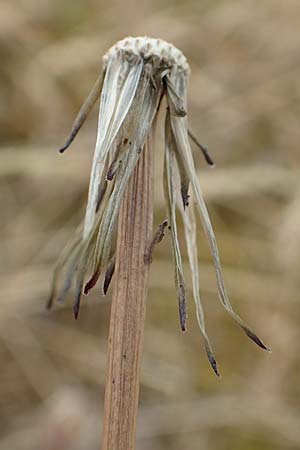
137, 74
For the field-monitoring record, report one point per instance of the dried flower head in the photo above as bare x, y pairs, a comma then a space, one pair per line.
137, 73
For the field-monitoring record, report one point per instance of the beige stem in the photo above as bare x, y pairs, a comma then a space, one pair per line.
128, 309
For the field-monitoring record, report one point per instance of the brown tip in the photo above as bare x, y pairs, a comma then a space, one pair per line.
206, 155
185, 196
76, 311
76, 127
68, 143
213, 362
182, 307
256, 339
76, 305
203, 148
49, 302
108, 276
91, 283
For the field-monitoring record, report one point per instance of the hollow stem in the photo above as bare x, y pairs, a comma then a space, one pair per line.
128, 309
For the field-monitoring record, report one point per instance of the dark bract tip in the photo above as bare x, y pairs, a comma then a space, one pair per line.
49, 302
64, 148
91, 283
256, 339
213, 363
76, 311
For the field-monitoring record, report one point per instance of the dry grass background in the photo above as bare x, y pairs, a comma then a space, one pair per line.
244, 103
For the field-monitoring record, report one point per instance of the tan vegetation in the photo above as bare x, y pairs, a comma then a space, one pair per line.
244, 104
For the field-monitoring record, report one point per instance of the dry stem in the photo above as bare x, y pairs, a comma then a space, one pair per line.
128, 309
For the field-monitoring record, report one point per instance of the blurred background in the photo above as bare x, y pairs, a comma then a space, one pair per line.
244, 103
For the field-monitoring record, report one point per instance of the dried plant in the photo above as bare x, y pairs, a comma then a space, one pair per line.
137, 74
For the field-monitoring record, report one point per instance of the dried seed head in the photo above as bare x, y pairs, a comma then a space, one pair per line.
137, 74
157, 52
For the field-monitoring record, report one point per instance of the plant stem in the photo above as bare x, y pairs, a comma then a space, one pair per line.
128, 308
